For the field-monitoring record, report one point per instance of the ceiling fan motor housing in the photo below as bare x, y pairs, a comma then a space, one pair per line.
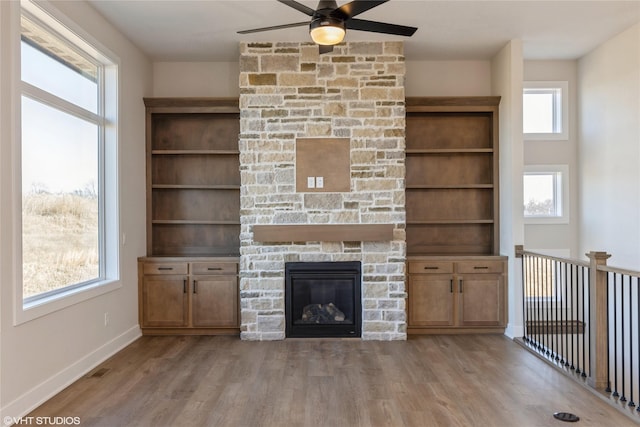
333, 30
325, 28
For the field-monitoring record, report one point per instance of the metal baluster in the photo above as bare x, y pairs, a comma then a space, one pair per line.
539, 329
615, 335
531, 300
545, 310
548, 306
578, 319
525, 296
638, 329
588, 329
622, 398
558, 292
608, 389
565, 352
584, 322
569, 325
631, 402
534, 313
534, 308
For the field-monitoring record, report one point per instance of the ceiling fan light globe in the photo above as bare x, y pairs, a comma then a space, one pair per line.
327, 31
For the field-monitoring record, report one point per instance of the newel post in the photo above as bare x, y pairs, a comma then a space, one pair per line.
598, 331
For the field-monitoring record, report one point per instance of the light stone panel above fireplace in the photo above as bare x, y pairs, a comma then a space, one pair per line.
289, 91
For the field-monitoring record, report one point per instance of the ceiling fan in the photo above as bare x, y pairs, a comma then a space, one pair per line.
329, 22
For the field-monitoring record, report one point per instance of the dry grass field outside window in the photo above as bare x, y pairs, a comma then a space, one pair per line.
59, 240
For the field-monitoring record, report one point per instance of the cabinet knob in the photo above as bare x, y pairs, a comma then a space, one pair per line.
451, 286
214, 268
460, 286
184, 286
165, 268
195, 286
480, 267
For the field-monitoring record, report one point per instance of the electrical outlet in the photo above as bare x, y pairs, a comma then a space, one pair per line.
319, 182
106, 318
311, 182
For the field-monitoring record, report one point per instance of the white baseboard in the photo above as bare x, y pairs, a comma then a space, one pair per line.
514, 331
56, 383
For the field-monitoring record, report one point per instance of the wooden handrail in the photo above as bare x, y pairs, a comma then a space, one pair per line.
579, 262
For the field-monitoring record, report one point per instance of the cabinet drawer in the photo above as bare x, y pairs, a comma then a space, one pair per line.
428, 267
165, 268
213, 268
480, 266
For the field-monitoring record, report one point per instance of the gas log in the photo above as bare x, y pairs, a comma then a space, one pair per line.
322, 313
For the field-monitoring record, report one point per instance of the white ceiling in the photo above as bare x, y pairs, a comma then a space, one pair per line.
205, 30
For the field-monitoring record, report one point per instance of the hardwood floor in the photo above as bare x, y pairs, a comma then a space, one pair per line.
464, 380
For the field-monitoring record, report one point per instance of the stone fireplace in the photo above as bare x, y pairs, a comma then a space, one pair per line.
289, 92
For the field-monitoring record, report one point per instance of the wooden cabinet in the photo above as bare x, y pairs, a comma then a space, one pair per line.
189, 282
431, 300
193, 177
214, 286
188, 296
462, 294
456, 280
452, 176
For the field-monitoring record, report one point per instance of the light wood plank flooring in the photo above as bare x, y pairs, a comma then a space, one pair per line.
466, 380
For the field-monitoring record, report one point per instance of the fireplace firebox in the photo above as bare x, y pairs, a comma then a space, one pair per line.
322, 299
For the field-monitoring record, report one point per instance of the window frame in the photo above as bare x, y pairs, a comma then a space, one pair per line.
106, 119
561, 110
562, 187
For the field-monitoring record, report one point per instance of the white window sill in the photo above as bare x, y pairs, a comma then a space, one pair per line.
545, 220
44, 306
546, 137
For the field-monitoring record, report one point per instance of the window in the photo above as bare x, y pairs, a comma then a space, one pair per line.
68, 162
545, 110
545, 191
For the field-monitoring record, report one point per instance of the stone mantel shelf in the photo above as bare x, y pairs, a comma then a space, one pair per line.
323, 233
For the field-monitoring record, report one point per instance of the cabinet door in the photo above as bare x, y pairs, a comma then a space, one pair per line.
164, 301
214, 301
431, 300
481, 300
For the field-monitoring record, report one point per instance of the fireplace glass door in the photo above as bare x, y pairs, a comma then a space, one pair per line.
322, 299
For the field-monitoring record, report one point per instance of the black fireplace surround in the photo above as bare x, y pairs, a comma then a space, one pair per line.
323, 299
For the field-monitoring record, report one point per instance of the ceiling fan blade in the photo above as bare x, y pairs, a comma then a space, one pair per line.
298, 6
324, 48
275, 27
356, 7
379, 27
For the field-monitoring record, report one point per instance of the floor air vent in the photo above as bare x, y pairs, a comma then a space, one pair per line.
566, 416
98, 373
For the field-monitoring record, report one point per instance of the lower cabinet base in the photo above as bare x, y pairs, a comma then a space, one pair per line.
457, 295
190, 331
454, 331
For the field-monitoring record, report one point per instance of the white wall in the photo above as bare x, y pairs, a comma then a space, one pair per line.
609, 149
220, 79
506, 81
196, 79
448, 78
40, 357
556, 236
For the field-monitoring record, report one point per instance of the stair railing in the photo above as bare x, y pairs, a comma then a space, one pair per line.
583, 317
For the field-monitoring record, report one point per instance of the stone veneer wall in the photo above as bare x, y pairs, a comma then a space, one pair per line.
289, 91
